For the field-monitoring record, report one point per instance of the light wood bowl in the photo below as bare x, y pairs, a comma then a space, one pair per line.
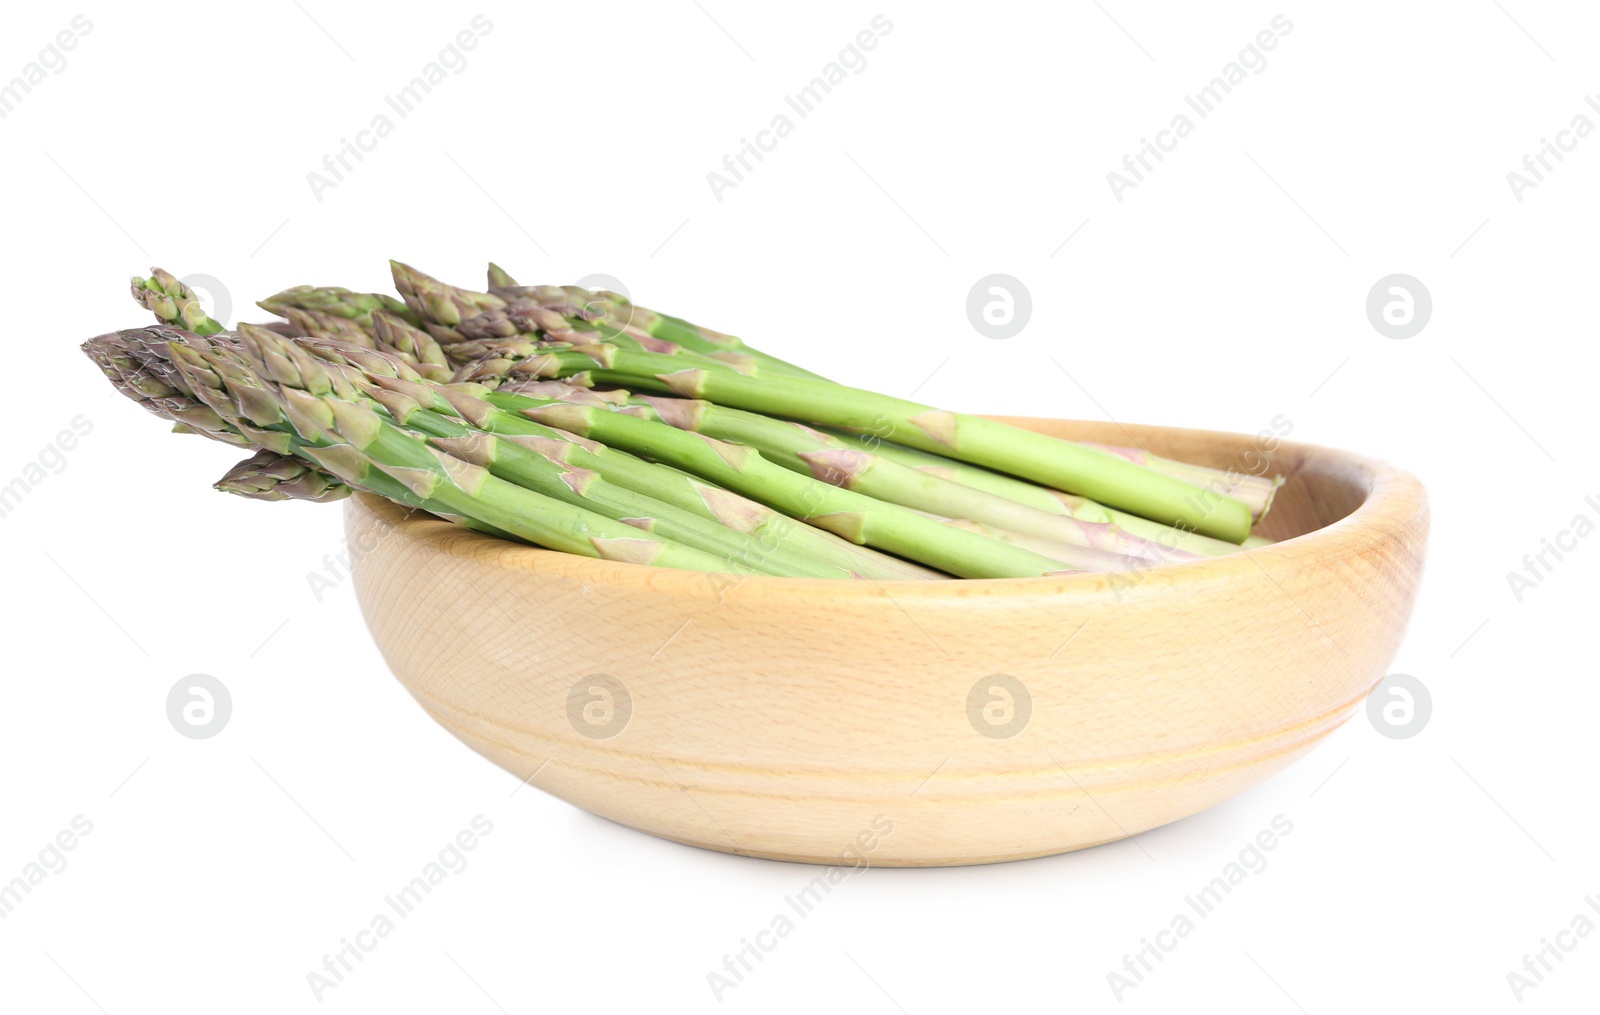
828, 721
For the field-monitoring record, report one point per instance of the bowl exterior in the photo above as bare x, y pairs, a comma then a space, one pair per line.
905, 723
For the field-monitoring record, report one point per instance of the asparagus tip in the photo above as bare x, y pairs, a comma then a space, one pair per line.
499, 278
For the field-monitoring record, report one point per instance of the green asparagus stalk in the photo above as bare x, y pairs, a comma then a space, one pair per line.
322, 325
536, 466
416, 347
315, 409
520, 329
664, 443
1079, 557
437, 303
1113, 481
151, 349
1041, 498
614, 315
544, 466
1253, 489
267, 475
164, 295
380, 330
554, 479
471, 490
334, 301
822, 456
112, 353
499, 278
1045, 499
521, 469
588, 474
854, 516
361, 474
527, 315
781, 541
162, 352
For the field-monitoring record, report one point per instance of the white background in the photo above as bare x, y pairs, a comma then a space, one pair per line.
1226, 289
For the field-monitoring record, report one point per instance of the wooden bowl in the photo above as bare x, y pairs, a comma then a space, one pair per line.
909, 723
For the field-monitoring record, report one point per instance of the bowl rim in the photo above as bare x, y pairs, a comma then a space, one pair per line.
1393, 498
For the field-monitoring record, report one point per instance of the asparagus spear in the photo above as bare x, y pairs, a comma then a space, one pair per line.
779, 541
1045, 499
315, 409
543, 466
535, 465
267, 475
335, 301
115, 355
518, 468
158, 352
1106, 478
471, 490
254, 391
499, 278
588, 474
361, 474
615, 317
1081, 557
112, 354
854, 516
437, 303
823, 456
416, 347
519, 328
380, 329
1254, 490
528, 310
612, 314
164, 295
527, 314
315, 322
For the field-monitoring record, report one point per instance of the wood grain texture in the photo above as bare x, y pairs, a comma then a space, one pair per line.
782, 717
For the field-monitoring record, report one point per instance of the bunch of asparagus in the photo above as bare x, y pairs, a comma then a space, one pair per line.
578, 421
